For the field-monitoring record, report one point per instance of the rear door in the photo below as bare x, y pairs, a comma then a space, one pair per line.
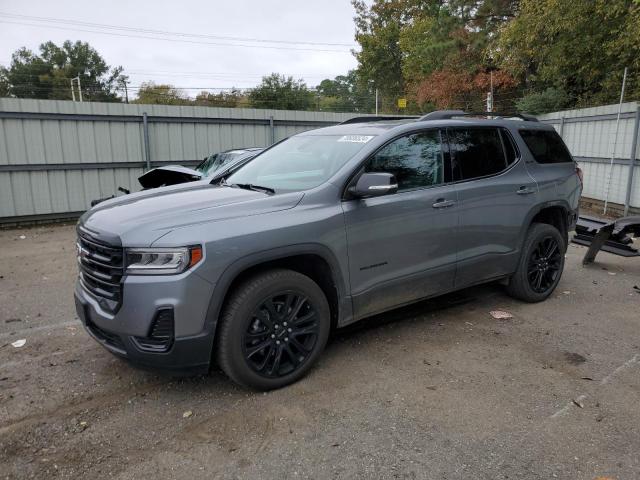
495, 194
402, 246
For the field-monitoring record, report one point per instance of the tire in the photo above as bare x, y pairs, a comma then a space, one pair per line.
538, 271
258, 324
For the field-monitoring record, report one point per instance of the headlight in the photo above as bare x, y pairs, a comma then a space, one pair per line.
162, 261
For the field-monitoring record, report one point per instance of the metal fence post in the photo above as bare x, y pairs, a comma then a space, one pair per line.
561, 126
632, 161
273, 130
145, 133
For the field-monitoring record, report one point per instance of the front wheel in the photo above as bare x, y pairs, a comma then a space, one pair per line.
540, 266
274, 327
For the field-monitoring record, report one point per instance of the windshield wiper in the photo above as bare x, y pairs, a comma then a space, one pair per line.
250, 186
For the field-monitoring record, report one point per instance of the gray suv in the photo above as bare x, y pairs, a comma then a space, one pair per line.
319, 231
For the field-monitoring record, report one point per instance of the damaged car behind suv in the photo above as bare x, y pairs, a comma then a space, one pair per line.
213, 165
321, 230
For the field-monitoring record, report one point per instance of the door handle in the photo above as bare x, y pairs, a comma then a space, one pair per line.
442, 203
525, 190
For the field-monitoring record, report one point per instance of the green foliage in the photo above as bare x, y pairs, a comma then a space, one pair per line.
232, 99
47, 75
161, 94
281, 93
405, 44
550, 100
427, 44
580, 47
435, 52
378, 33
346, 93
5, 86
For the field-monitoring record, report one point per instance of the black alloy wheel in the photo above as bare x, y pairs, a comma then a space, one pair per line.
540, 265
281, 334
272, 330
544, 265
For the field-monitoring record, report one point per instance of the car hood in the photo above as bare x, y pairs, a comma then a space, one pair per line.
141, 218
168, 175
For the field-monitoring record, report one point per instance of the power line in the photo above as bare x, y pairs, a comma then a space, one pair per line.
364, 98
165, 32
230, 77
180, 40
197, 74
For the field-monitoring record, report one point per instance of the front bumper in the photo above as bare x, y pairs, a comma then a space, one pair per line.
187, 296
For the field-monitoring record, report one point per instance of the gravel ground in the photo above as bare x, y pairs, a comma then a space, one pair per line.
438, 390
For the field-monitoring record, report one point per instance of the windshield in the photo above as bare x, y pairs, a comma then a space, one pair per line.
217, 161
300, 163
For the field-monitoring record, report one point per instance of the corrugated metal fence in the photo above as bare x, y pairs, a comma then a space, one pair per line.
57, 156
589, 133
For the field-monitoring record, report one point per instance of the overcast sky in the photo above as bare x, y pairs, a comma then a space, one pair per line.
200, 59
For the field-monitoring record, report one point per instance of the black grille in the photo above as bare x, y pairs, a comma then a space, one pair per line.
160, 338
101, 270
110, 339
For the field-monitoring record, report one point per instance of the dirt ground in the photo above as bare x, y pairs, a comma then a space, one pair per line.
438, 390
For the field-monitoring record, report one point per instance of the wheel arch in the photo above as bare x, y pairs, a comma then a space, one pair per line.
555, 213
313, 260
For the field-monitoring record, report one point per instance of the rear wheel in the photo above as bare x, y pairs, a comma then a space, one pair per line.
540, 266
273, 329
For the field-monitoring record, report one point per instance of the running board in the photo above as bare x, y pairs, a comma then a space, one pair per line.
611, 236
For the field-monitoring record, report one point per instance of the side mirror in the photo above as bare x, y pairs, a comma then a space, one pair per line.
374, 185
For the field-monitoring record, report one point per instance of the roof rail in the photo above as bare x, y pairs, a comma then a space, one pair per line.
376, 118
447, 114
442, 115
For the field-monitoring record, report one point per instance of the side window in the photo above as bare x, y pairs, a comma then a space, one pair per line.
546, 146
415, 160
476, 152
510, 149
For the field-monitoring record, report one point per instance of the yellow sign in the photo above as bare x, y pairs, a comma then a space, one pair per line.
402, 103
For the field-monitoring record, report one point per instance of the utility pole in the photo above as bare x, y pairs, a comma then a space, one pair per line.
376, 101
73, 95
490, 94
491, 80
615, 141
126, 92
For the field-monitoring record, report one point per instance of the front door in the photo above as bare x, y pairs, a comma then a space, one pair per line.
402, 246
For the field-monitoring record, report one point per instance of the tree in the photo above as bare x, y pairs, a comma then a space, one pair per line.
378, 32
5, 87
431, 51
552, 99
161, 94
48, 74
231, 99
281, 93
579, 47
450, 88
346, 93
428, 44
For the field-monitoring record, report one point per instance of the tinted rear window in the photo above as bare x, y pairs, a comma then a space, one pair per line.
476, 152
546, 146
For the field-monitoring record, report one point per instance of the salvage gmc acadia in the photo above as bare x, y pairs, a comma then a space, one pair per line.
320, 230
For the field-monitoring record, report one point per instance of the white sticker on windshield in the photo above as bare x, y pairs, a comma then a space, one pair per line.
355, 138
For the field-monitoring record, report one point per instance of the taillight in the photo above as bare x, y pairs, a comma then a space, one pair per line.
580, 174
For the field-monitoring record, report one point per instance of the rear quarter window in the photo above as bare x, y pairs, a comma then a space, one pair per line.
510, 149
546, 146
